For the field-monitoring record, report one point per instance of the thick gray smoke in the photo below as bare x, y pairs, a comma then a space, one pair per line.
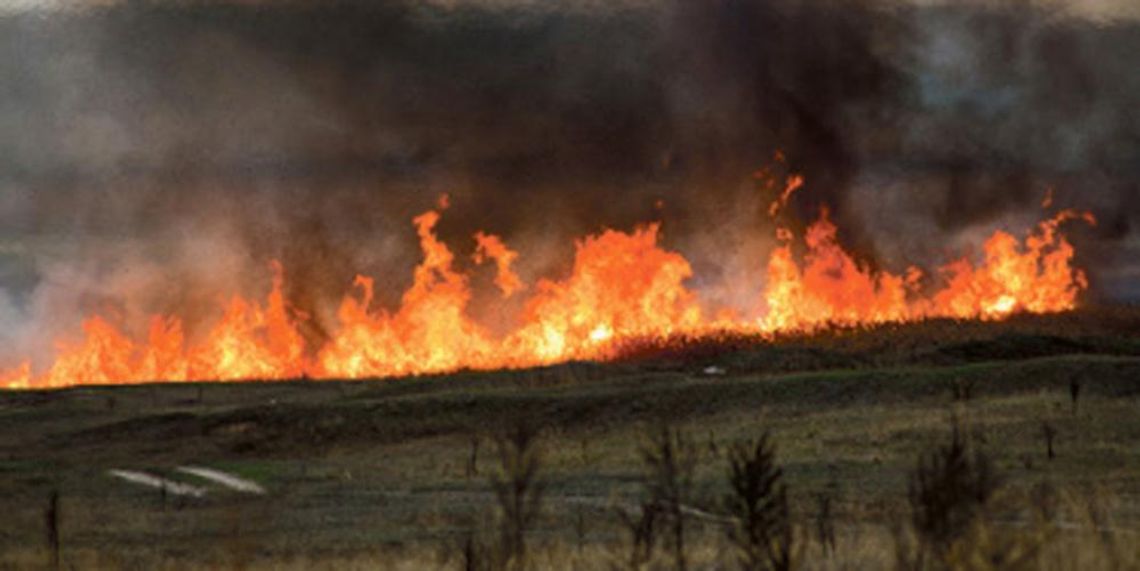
155, 156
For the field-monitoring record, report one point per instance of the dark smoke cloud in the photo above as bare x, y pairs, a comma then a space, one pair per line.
170, 150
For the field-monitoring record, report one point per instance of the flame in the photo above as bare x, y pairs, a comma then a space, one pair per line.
492, 247
793, 184
429, 332
1035, 275
830, 286
621, 285
248, 342
18, 378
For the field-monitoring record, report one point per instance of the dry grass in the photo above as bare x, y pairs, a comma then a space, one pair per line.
386, 476
1078, 538
930, 341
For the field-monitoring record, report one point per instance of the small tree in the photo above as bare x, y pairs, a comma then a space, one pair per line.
825, 521
51, 521
473, 457
519, 492
1050, 433
472, 554
758, 504
1075, 392
948, 491
962, 389
671, 458
642, 526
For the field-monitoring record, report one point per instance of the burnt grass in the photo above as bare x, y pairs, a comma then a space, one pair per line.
353, 466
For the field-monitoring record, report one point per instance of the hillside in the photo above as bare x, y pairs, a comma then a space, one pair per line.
380, 471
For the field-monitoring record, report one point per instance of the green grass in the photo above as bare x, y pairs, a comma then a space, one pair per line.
363, 470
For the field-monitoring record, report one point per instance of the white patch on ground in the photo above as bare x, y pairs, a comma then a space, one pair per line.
170, 486
228, 480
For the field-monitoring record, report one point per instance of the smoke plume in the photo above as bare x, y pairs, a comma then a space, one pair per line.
156, 156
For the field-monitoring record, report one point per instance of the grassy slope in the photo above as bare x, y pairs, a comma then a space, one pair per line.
358, 466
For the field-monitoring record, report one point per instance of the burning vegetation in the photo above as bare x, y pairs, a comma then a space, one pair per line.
623, 285
601, 158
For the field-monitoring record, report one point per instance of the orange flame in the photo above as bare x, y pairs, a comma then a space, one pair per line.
492, 247
249, 342
621, 285
830, 287
1036, 276
429, 332
18, 378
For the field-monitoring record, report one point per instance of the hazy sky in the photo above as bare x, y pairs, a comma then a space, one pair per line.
1107, 9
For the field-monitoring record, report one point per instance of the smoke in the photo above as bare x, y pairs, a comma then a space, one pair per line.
157, 154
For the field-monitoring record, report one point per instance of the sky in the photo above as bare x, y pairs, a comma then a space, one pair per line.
1100, 9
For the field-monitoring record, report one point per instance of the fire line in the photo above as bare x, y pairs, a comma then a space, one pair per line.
623, 285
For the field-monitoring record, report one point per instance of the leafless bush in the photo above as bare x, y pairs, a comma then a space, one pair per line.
1050, 433
473, 553
1075, 392
473, 458
948, 492
714, 448
642, 527
51, 521
580, 528
825, 521
962, 389
670, 459
519, 492
758, 502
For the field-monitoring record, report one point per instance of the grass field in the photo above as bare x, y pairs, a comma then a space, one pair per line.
395, 473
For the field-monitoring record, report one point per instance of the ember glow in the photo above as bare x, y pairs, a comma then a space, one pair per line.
622, 285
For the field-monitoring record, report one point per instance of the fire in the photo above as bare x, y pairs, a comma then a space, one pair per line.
248, 342
429, 332
491, 247
18, 378
830, 287
621, 285
1035, 276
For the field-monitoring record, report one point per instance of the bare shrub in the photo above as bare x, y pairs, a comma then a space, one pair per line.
962, 390
758, 502
580, 528
519, 492
825, 520
1050, 433
1075, 392
51, 521
472, 468
473, 553
948, 493
670, 459
642, 527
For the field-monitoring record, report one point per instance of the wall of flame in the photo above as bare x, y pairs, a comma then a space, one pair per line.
622, 285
